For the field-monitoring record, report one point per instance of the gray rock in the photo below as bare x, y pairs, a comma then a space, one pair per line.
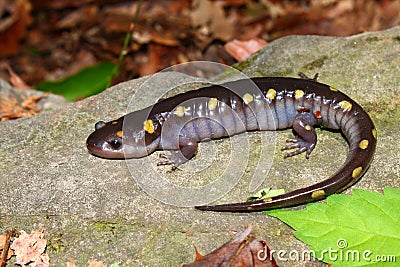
93, 208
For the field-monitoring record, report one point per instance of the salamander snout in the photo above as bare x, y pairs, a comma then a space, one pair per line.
106, 140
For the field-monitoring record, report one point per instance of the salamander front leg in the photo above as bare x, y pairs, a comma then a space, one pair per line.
306, 137
187, 149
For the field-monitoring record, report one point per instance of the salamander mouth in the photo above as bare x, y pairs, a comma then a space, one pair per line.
93, 147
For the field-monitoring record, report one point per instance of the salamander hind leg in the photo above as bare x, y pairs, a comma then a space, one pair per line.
306, 137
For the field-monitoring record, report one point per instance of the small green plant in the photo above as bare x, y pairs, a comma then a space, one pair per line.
91, 80
358, 230
87, 82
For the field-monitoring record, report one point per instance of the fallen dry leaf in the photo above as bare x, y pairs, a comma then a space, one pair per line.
241, 250
11, 109
29, 249
95, 263
71, 263
16, 81
73, 19
5, 251
44, 261
210, 16
14, 26
241, 50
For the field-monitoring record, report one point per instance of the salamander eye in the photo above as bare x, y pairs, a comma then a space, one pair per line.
115, 143
99, 125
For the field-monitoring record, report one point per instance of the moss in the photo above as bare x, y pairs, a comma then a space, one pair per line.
396, 38
372, 39
55, 242
114, 226
316, 64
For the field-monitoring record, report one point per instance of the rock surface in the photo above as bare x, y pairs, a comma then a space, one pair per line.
93, 208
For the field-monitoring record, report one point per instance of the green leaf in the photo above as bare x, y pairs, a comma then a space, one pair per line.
358, 230
266, 193
89, 81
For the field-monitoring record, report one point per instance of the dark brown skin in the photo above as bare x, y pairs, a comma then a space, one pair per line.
279, 103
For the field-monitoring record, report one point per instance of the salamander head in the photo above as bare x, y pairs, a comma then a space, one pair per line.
109, 141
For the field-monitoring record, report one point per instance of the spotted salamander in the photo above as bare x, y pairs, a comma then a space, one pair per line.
180, 122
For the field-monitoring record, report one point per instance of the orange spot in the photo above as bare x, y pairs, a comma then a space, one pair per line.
317, 114
303, 109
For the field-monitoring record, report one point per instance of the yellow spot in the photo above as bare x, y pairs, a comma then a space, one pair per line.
271, 94
119, 134
212, 104
148, 126
267, 199
356, 172
374, 133
363, 144
345, 105
298, 94
248, 98
249, 208
308, 127
318, 193
180, 111
333, 89
114, 122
